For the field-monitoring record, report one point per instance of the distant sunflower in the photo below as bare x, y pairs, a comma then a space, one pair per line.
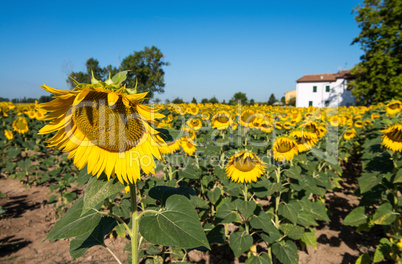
304, 138
20, 125
221, 120
285, 148
334, 121
394, 107
247, 118
244, 167
31, 114
392, 137
349, 134
190, 133
375, 116
322, 131
9, 135
194, 123
188, 146
358, 124
104, 126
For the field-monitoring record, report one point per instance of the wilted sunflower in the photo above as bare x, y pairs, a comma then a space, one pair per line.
20, 125
221, 120
104, 126
9, 135
394, 107
285, 148
392, 137
244, 167
349, 134
305, 139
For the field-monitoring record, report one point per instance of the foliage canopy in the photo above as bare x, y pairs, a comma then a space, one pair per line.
378, 75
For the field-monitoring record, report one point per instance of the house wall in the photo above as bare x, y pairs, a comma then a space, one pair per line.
338, 94
290, 95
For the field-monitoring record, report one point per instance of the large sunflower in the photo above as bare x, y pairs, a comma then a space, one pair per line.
104, 127
247, 118
392, 137
285, 148
20, 125
244, 167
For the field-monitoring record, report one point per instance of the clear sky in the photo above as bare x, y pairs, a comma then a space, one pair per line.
216, 48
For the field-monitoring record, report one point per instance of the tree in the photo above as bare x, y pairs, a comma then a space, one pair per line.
204, 101
213, 100
2, 99
292, 101
283, 100
194, 101
378, 77
45, 98
177, 100
144, 69
272, 99
238, 97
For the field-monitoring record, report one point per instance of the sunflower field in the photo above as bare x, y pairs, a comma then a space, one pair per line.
243, 180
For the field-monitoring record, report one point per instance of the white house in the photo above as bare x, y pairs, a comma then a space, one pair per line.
324, 90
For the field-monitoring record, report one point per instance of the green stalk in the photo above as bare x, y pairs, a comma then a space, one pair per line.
134, 218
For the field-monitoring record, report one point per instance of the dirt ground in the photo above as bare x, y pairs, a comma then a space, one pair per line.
29, 219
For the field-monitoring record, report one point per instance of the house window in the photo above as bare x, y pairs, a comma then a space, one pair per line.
314, 89
327, 88
291, 97
310, 103
326, 103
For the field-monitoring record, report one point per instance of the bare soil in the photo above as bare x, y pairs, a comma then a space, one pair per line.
29, 218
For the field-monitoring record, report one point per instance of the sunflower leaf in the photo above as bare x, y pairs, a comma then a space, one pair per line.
240, 242
74, 223
81, 244
177, 225
98, 189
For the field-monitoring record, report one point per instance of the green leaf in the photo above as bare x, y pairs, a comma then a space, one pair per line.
286, 252
73, 224
384, 215
246, 208
225, 214
162, 193
217, 234
261, 259
356, 217
290, 210
382, 251
177, 225
82, 243
213, 196
263, 221
240, 242
292, 231
318, 211
363, 259
98, 189
119, 77
83, 176
398, 177
190, 172
310, 238
367, 181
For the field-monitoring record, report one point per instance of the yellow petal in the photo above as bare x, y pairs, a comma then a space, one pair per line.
112, 98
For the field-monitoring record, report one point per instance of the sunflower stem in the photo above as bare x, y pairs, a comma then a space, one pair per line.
134, 219
245, 192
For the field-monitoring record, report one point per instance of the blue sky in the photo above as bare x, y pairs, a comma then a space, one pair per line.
216, 48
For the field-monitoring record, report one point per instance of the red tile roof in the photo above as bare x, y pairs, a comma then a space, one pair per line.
325, 77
